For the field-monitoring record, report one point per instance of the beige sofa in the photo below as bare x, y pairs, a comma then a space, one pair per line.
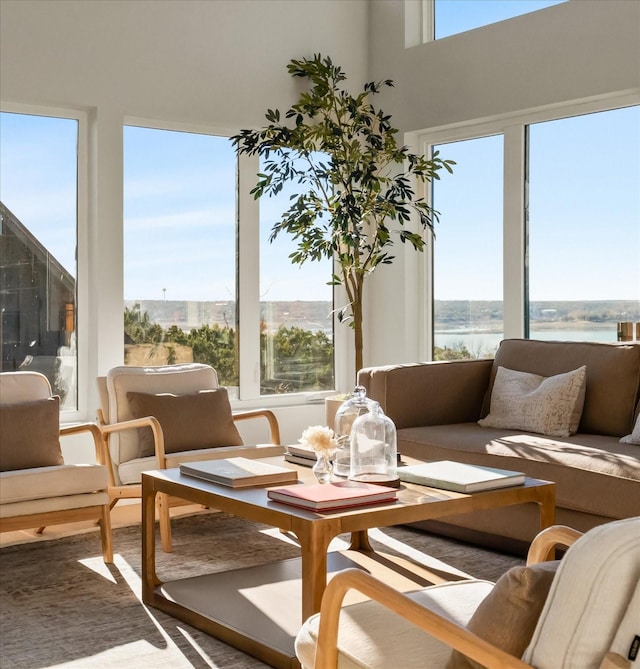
436, 407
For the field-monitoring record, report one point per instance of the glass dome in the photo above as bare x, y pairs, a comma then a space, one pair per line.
374, 451
346, 414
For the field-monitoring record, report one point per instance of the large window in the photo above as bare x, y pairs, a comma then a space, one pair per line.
457, 16
539, 233
38, 240
467, 283
189, 279
584, 225
180, 250
296, 305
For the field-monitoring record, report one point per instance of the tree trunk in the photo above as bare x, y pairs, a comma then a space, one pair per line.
357, 326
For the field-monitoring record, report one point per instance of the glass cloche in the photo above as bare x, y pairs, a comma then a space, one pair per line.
346, 414
374, 451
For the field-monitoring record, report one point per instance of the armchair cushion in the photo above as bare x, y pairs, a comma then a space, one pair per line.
508, 615
371, 635
189, 422
29, 434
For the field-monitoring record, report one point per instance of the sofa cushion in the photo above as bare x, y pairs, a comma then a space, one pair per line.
579, 465
508, 615
189, 422
548, 405
613, 377
634, 437
30, 434
588, 599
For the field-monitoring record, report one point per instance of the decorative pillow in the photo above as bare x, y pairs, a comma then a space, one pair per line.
189, 422
30, 434
547, 405
634, 437
508, 615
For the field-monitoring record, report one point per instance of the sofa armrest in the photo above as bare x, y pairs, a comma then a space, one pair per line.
429, 393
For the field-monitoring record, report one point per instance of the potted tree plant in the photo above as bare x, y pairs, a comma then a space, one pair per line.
356, 182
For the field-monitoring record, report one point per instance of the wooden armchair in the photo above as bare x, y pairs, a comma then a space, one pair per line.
159, 417
37, 488
588, 619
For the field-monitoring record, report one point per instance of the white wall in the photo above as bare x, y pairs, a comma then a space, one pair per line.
214, 65
581, 50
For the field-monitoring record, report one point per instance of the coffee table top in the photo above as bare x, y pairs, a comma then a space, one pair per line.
415, 502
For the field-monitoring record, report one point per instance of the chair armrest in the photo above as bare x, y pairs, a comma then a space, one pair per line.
429, 393
96, 433
274, 428
433, 624
132, 424
544, 544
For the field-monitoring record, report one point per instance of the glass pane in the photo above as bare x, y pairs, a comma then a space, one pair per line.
180, 250
584, 225
458, 16
39, 166
468, 321
296, 321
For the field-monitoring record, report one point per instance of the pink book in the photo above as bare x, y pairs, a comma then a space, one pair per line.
332, 496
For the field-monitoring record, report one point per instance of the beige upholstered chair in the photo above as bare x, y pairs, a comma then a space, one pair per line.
583, 614
159, 417
37, 488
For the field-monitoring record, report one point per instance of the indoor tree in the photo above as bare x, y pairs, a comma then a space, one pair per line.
356, 183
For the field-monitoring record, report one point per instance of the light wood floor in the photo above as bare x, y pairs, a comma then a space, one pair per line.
122, 515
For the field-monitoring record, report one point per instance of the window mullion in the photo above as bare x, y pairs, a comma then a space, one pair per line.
514, 252
248, 279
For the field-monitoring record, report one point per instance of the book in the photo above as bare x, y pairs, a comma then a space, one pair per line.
239, 472
333, 496
459, 476
302, 451
299, 460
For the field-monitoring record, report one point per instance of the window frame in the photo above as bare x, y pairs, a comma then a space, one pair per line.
513, 127
83, 286
248, 283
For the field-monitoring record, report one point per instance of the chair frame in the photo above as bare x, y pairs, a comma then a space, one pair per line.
450, 633
101, 512
163, 461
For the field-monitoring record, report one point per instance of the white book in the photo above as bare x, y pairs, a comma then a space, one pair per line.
459, 476
239, 472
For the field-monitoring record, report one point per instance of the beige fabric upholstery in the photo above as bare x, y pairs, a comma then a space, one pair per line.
589, 598
178, 379
35, 496
372, 636
45, 482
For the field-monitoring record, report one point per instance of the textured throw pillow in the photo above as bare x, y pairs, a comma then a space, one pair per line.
30, 434
189, 422
634, 437
548, 405
508, 615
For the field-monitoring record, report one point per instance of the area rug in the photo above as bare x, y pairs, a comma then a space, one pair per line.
61, 606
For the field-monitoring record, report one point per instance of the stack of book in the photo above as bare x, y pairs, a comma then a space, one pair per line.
333, 496
300, 455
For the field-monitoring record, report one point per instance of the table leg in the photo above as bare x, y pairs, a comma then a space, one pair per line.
360, 541
149, 577
547, 506
314, 541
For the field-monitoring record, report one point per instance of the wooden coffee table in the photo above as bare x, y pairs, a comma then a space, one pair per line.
260, 609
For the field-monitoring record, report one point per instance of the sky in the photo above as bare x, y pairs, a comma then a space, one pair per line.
180, 203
